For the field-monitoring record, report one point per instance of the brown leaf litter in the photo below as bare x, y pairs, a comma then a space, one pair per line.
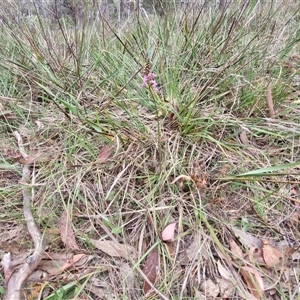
114, 249
151, 269
66, 232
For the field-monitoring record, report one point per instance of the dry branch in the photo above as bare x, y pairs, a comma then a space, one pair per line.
17, 279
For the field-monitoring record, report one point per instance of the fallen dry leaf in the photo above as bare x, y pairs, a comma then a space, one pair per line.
36, 276
10, 153
171, 250
200, 181
44, 155
66, 265
272, 256
151, 269
255, 255
243, 137
227, 288
35, 290
210, 289
223, 271
294, 219
114, 249
169, 233
100, 287
66, 232
246, 295
235, 249
247, 239
253, 281
28, 160
103, 155
197, 248
8, 268
257, 274
126, 274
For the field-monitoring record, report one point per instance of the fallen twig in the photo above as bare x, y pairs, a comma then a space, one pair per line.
270, 102
15, 282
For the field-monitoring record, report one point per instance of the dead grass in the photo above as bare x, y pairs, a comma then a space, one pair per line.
175, 156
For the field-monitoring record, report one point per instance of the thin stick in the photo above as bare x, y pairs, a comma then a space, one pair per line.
17, 279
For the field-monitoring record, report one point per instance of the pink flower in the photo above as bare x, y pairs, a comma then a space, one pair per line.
150, 81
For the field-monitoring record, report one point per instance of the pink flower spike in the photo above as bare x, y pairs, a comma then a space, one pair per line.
149, 80
144, 81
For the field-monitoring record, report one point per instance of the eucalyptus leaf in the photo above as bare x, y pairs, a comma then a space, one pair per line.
265, 171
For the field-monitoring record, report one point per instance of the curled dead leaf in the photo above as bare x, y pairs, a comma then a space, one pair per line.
169, 233
182, 182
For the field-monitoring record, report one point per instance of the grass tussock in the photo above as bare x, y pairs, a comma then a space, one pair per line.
180, 153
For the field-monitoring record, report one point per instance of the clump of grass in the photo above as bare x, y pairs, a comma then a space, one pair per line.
78, 89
